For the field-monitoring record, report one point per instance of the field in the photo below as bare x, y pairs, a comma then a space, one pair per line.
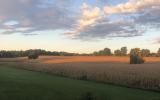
67, 59
101, 69
114, 70
18, 84
58, 59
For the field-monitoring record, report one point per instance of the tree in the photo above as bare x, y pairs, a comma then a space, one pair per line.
104, 52
107, 51
153, 55
117, 52
95, 53
145, 52
33, 55
124, 51
158, 52
136, 56
121, 52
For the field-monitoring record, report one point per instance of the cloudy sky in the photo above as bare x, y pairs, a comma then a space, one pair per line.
80, 26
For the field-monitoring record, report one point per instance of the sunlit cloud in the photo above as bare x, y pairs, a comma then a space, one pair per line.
132, 6
156, 40
83, 21
36, 15
88, 18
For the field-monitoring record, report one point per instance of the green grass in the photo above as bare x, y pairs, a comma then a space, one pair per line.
18, 84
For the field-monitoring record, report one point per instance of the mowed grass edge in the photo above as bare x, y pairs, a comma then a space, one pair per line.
18, 84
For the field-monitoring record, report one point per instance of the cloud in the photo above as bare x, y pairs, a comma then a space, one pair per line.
106, 28
82, 21
36, 15
156, 40
7, 32
93, 23
88, 18
132, 6
144, 13
149, 18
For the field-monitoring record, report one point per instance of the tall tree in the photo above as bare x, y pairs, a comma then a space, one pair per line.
124, 51
117, 53
145, 52
158, 52
107, 51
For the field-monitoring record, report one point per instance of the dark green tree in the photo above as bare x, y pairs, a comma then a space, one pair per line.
117, 53
107, 51
158, 52
104, 52
145, 52
33, 55
124, 51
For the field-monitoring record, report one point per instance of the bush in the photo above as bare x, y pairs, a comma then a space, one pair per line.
33, 55
136, 56
135, 59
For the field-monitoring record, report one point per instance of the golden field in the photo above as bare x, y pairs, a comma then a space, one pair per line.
59, 59
106, 69
69, 59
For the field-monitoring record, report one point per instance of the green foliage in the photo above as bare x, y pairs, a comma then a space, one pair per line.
33, 55
122, 52
104, 52
117, 53
11, 54
7, 54
145, 52
136, 56
158, 52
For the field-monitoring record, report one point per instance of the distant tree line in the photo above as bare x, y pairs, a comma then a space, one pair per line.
105, 52
31, 52
123, 52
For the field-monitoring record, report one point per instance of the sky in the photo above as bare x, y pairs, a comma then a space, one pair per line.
81, 26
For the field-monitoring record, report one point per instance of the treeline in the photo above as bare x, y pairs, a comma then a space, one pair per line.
123, 52
11, 54
105, 52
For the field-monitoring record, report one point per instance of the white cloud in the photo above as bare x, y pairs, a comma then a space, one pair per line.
80, 22
89, 17
132, 6
93, 23
36, 15
156, 40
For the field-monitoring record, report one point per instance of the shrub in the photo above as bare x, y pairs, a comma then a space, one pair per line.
33, 55
136, 56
